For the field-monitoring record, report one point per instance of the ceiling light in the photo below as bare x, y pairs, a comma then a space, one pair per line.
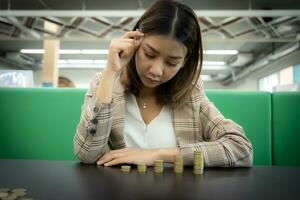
221, 52
215, 68
33, 51
100, 61
80, 61
218, 63
68, 51
205, 77
94, 51
81, 66
62, 61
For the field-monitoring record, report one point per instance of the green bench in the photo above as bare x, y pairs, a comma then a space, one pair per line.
286, 128
40, 123
252, 110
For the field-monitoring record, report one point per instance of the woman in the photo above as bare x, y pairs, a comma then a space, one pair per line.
149, 102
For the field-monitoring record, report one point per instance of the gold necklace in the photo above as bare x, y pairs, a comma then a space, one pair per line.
144, 105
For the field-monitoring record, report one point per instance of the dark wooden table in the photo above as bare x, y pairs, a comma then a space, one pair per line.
72, 180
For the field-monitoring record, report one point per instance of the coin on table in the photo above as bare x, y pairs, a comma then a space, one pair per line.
198, 162
158, 166
3, 194
19, 190
12, 196
142, 168
178, 164
125, 168
19, 194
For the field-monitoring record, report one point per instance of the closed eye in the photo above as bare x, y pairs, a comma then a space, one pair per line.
149, 56
153, 56
171, 64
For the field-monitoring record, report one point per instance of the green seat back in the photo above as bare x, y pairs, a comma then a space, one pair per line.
286, 128
39, 123
251, 110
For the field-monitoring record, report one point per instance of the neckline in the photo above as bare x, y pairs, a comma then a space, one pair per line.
140, 114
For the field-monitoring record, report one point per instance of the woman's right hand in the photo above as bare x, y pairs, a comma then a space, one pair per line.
122, 49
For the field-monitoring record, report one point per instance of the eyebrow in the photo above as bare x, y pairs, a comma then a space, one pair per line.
153, 49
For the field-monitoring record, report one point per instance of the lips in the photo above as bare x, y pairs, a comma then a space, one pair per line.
152, 80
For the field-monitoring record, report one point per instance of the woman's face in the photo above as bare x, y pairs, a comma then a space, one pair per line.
158, 59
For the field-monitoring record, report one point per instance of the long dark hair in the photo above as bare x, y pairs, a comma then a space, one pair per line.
170, 18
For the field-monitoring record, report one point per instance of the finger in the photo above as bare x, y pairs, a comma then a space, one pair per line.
126, 40
105, 160
130, 42
132, 34
133, 45
138, 42
109, 157
117, 161
122, 48
101, 160
119, 44
127, 51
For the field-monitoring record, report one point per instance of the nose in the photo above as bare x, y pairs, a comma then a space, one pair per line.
156, 69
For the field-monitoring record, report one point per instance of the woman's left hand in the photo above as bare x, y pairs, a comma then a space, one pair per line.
129, 155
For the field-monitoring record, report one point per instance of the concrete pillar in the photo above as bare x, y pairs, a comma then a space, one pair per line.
50, 64
50, 57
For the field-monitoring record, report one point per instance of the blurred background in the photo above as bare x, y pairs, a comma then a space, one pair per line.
250, 45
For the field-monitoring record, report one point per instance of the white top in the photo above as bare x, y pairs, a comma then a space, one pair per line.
159, 133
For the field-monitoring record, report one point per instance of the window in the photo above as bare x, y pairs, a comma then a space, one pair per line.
269, 82
286, 76
287, 79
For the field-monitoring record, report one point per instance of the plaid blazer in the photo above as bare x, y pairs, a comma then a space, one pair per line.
198, 125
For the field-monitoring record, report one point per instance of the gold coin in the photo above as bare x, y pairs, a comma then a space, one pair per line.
125, 168
3, 194
158, 166
142, 168
12, 196
19, 190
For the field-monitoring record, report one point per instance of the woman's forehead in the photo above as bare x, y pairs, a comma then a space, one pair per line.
166, 45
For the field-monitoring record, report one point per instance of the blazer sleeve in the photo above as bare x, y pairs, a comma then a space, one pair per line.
225, 143
93, 130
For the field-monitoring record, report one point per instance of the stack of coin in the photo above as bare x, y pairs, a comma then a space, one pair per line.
19, 192
178, 164
158, 166
198, 162
142, 168
4, 193
13, 194
125, 168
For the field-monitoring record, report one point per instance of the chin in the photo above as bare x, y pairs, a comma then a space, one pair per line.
150, 85
147, 83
